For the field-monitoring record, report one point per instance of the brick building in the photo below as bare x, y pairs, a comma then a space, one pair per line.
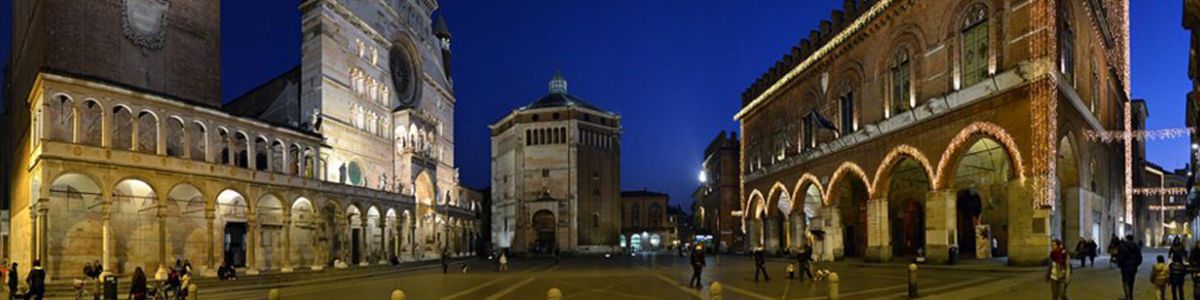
900, 127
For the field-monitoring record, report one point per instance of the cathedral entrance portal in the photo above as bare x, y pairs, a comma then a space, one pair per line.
543, 225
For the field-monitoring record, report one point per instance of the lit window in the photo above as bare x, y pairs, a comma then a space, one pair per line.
1066, 45
847, 104
975, 46
900, 83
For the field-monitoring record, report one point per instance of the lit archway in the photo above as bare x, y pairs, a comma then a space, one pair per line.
75, 200
980, 182
304, 245
269, 211
185, 212
908, 184
135, 222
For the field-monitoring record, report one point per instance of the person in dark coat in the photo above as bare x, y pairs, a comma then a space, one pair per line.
445, 261
698, 263
36, 281
759, 265
12, 282
1081, 252
1114, 245
137, 285
1177, 274
804, 260
1093, 250
1129, 257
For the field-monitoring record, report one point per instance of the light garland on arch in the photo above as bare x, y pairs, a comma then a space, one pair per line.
910, 151
989, 130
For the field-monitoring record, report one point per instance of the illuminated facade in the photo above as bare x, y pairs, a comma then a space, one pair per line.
556, 176
125, 155
905, 127
645, 225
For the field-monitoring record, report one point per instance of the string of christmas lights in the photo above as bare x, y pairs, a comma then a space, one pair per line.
1144, 135
1160, 191
1044, 103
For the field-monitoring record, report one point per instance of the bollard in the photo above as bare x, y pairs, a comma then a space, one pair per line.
554, 294
714, 291
912, 281
273, 294
398, 295
192, 292
833, 285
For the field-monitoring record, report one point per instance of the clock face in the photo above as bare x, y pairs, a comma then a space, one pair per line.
145, 21
404, 76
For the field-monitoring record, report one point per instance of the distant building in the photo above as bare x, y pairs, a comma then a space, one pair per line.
1164, 215
645, 225
556, 175
717, 208
680, 231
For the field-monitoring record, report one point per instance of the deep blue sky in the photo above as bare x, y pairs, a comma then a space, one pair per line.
673, 69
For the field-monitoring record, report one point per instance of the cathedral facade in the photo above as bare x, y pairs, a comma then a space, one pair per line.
125, 154
556, 176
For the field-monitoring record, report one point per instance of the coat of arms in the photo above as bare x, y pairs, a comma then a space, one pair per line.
145, 22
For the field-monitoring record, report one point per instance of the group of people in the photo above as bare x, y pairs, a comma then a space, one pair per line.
804, 260
1127, 256
1086, 251
36, 280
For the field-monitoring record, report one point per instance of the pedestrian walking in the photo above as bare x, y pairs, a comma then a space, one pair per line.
1128, 257
503, 262
804, 260
1092, 250
1177, 271
137, 285
445, 261
759, 264
1159, 274
1058, 274
1081, 252
1114, 247
37, 282
1177, 248
698, 263
12, 282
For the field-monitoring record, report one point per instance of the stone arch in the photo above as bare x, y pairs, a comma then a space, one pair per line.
908, 183
91, 123
304, 245
1066, 216
754, 213
239, 148
330, 232
269, 212
354, 221
122, 124
262, 154
374, 234
391, 233
848, 193
893, 157
62, 113
969, 136
221, 147
185, 209
175, 137
230, 215
147, 131
135, 218
75, 231
278, 151
907, 45
198, 141
968, 15
980, 178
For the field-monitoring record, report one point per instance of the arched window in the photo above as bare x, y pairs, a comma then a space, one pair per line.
293, 160
261, 154
122, 127
1066, 43
901, 83
975, 45
846, 103
174, 137
90, 119
222, 146
197, 138
147, 132
239, 148
62, 116
277, 156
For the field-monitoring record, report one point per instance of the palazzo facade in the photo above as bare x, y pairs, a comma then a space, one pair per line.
903, 128
124, 154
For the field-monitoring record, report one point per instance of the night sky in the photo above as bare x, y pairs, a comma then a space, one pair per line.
674, 70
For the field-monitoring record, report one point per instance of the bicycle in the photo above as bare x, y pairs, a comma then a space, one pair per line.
81, 292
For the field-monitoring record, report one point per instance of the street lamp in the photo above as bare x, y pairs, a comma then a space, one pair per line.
704, 176
1195, 146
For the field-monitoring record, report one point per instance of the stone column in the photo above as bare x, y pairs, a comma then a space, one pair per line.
210, 270
383, 244
941, 217
40, 229
162, 235
364, 251
106, 232
287, 243
878, 241
251, 245
412, 239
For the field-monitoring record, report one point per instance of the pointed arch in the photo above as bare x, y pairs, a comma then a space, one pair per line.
806, 179
967, 137
845, 168
893, 157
